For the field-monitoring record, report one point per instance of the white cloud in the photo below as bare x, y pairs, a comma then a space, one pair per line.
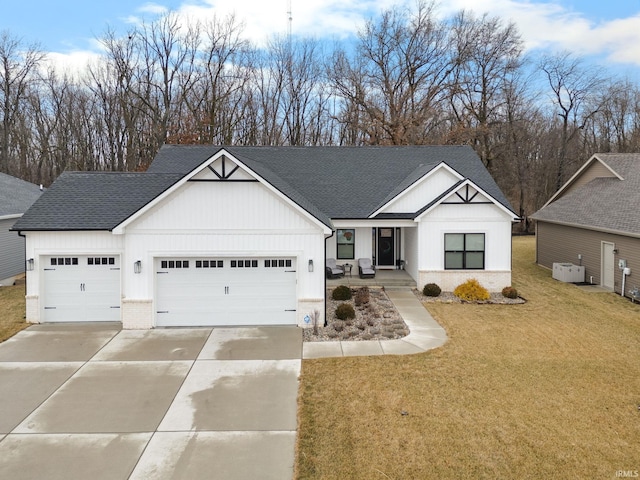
315, 18
546, 25
153, 8
73, 64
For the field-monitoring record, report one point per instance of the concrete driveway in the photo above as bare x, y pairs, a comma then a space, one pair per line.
89, 401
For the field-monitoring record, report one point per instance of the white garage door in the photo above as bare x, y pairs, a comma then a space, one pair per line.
214, 291
81, 289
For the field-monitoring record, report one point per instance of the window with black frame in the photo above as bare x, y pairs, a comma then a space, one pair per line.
464, 251
346, 243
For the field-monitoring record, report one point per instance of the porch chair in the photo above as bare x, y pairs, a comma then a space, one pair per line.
333, 270
365, 269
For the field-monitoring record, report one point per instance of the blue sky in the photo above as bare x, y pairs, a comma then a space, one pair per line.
607, 32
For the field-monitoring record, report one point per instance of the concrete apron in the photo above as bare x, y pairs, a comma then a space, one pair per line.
82, 401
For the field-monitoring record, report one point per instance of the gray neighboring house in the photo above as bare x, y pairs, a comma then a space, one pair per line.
594, 221
16, 196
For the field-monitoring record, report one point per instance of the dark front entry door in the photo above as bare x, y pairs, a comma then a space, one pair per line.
386, 247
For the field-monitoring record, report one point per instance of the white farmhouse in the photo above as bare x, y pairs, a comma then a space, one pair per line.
213, 235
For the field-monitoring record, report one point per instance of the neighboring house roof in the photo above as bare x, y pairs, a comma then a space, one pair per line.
605, 203
327, 182
16, 196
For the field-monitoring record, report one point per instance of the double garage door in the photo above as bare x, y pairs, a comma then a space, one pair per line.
81, 288
225, 291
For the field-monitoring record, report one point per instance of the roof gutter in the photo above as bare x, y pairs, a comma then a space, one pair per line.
588, 227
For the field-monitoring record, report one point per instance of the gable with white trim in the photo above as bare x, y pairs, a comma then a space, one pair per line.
222, 195
423, 192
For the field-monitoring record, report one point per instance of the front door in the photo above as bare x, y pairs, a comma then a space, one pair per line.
608, 265
386, 247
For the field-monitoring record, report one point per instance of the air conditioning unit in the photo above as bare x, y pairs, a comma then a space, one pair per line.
568, 272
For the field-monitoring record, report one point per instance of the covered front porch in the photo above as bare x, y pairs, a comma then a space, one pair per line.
388, 244
383, 278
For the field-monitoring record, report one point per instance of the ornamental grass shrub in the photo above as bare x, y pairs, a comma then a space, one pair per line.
362, 296
472, 291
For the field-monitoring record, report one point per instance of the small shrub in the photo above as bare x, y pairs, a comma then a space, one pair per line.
472, 291
345, 311
341, 293
509, 292
431, 290
362, 296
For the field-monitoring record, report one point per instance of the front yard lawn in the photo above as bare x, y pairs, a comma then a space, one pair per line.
12, 310
547, 389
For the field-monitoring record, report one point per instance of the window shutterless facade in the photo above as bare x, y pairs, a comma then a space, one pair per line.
346, 243
464, 251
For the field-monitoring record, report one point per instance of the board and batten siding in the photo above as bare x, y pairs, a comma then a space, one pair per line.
423, 192
11, 252
466, 218
412, 251
562, 244
489, 219
219, 206
223, 219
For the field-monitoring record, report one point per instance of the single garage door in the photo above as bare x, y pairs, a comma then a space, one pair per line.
81, 289
223, 291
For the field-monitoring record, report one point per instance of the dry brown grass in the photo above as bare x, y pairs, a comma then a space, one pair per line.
12, 310
548, 389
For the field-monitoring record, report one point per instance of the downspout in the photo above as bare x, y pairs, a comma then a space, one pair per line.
324, 274
25, 269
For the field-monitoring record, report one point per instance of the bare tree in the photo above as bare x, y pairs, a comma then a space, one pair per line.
18, 71
214, 92
488, 61
395, 81
576, 95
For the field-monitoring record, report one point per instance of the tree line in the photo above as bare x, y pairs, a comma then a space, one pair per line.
410, 78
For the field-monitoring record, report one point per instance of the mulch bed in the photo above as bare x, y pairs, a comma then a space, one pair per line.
376, 319
449, 297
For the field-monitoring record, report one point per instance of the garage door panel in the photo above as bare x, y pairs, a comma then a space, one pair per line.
81, 288
246, 293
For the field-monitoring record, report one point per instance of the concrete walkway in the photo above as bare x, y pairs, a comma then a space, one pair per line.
89, 401
424, 333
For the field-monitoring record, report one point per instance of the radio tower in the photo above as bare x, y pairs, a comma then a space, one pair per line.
290, 17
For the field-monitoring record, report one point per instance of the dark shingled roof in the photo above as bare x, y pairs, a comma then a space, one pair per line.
605, 203
16, 196
93, 200
342, 182
328, 182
